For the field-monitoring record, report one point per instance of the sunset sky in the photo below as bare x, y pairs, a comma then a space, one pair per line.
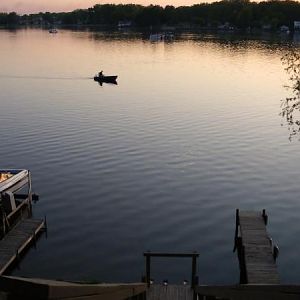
33, 6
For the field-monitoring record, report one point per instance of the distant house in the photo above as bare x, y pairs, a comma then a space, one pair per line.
284, 28
24, 22
37, 21
123, 24
184, 25
225, 26
297, 25
168, 28
267, 27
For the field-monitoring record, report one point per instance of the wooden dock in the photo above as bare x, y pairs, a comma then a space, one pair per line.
165, 291
255, 249
17, 239
44, 289
169, 292
249, 292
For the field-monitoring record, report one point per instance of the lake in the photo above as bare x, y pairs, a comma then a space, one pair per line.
158, 162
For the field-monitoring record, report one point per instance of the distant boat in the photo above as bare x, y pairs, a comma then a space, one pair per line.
104, 78
156, 37
53, 30
169, 36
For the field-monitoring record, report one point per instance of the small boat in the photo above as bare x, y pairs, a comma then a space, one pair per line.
169, 36
53, 30
104, 78
157, 37
13, 180
15, 196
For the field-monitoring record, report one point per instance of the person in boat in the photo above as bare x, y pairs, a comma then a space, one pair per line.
100, 74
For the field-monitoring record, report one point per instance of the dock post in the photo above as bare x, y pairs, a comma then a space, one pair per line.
194, 264
236, 229
46, 226
265, 217
17, 259
3, 221
29, 194
194, 280
34, 238
148, 261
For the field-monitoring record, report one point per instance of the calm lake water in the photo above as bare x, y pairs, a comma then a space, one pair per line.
158, 162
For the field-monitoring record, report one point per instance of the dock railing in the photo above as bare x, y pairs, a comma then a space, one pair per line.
193, 256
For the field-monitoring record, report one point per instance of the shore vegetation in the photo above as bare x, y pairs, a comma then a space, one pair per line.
235, 14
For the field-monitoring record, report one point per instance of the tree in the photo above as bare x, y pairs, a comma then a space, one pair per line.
12, 19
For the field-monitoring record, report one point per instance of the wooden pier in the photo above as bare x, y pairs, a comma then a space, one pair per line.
249, 292
257, 258
170, 292
16, 288
257, 255
17, 239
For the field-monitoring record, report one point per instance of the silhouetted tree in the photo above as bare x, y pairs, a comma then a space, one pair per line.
291, 105
238, 13
12, 19
150, 15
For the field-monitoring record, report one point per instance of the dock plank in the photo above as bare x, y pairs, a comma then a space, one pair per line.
16, 240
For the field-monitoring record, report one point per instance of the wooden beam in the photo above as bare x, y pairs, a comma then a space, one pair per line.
251, 291
166, 254
41, 289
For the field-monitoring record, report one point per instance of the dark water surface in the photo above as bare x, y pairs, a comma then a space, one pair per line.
158, 162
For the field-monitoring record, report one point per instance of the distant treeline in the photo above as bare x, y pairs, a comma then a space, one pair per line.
235, 13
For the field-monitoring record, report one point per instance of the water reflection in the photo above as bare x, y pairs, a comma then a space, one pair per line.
291, 105
109, 83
